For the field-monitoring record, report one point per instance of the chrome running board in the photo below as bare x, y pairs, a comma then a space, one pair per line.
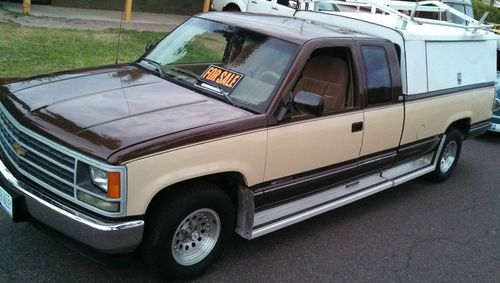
275, 218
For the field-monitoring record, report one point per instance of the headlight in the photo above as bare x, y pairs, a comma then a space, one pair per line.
101, 187
99, 178
496, 105
107, 182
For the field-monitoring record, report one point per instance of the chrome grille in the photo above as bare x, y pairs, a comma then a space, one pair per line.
35, 159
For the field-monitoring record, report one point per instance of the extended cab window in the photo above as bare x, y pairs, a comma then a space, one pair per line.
328, 74
378, 74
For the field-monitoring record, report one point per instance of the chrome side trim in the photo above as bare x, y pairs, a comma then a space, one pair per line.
284, 210
105, 236
408, 167
319, 210
278, 217
378, 158
479, 129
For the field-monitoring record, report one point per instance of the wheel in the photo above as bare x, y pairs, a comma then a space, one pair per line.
232, 8
448, 158
187, 231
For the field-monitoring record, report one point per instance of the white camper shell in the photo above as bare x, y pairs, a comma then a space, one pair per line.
435, 55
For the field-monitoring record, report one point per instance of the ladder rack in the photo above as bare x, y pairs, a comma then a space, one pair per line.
395, 8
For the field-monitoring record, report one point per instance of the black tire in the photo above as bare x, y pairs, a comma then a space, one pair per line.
445, 166
164, 219
232, 8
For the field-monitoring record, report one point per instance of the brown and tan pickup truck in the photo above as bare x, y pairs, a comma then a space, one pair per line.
233, 122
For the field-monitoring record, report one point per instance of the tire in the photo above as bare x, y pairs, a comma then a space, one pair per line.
187, 231
448, 157
232, 8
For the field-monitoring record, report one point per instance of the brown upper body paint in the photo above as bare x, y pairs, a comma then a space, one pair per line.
102, 111
121, 112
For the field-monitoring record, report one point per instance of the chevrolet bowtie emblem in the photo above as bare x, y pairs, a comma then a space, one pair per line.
19, 150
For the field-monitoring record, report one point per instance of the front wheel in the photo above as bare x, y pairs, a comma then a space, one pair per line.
448, 157
187, 231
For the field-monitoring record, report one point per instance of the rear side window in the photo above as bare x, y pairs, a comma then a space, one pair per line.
378, 75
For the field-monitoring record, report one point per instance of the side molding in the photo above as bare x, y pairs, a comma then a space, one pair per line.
252, 224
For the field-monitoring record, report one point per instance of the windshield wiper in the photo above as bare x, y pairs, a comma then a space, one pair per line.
157, 65
216, 89
181, 71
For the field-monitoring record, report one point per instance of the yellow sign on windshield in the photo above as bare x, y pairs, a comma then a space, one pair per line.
224, 78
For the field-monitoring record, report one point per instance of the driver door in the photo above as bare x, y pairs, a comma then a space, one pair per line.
318, 150
282, 7
259, 6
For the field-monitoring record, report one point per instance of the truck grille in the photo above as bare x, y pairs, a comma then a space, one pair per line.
36, 159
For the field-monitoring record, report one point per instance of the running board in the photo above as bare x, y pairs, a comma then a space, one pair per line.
255, 224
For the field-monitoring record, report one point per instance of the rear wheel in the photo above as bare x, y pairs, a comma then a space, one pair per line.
232, 8
448, 157
187, 231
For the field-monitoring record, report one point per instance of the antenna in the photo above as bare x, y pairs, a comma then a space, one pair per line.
119, 36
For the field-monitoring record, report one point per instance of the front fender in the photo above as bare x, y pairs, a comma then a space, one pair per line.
147, 176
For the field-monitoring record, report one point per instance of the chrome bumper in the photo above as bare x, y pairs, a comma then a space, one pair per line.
109, 237
495, 127
495, 124
479, 128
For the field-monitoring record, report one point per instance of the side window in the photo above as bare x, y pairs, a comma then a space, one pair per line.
328, 74
378, 74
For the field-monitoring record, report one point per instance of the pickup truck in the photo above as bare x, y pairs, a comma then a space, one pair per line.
273, 7
228, 126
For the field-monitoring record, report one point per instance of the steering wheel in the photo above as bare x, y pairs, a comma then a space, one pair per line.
268, 77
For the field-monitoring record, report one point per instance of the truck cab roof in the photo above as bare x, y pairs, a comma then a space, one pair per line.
291, 29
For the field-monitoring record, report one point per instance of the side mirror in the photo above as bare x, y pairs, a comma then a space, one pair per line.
150, 45
308, 102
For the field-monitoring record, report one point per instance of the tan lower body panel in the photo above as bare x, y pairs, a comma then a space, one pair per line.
429, 117
382, 129
244, 153
304, 146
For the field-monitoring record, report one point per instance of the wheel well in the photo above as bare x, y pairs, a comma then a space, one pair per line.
227, 181
462, 125
231, 7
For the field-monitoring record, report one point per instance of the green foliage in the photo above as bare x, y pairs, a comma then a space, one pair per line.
480, 8
200, 50
26, 51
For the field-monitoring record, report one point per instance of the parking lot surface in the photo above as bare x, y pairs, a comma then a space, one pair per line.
419, 231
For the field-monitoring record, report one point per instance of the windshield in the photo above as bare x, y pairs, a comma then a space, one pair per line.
242, 66
328, 7
452, 18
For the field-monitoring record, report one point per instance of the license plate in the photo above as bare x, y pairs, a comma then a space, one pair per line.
6, 202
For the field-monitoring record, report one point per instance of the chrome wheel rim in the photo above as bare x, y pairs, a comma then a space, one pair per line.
448, 157
196, 236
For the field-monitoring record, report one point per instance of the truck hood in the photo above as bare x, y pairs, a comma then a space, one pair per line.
101, 111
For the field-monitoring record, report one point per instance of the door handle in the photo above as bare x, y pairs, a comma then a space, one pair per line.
255, 2
357, 127
274, 8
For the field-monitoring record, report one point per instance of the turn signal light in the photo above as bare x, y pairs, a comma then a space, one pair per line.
113, 185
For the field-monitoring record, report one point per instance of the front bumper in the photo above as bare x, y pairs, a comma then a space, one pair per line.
495, 124
109, 237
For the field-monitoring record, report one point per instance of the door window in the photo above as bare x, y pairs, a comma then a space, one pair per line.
328, 74
378, 74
